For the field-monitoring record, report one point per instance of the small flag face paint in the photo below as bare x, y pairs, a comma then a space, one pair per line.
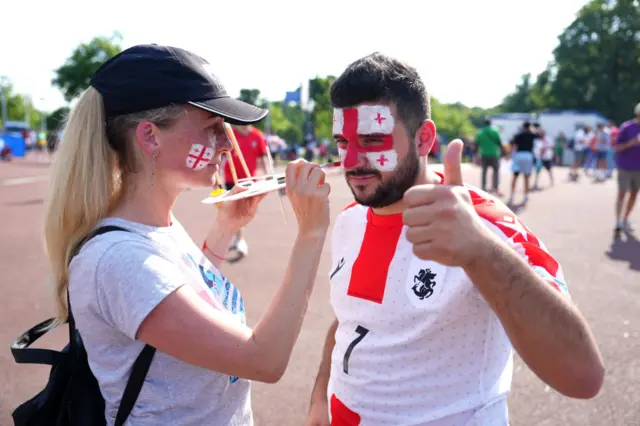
199, 157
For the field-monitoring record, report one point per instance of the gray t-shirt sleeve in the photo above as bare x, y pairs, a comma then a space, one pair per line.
132, 278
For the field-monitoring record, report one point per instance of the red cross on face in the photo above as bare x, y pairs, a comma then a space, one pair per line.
382, 159
379, 118
199, 157
354, 149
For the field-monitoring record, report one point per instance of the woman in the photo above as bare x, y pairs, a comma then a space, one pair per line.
151, 125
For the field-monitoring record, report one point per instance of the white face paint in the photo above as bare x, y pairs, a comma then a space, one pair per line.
375, 119
351, 123
199, 157
342, 153
384, 161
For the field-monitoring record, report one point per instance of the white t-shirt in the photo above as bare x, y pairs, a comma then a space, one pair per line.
603, 140
543, 148
115, 281
580, 142
416, 342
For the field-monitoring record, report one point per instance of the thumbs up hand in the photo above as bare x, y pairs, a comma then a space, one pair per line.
452, 161
442, 223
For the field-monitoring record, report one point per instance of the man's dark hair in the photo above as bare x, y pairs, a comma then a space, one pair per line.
487, 122
378, 77
526, 125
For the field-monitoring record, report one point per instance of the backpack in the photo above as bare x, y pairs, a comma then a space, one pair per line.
72, 396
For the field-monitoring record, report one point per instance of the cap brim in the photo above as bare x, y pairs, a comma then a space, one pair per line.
233, 110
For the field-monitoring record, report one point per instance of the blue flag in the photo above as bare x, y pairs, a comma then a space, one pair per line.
294, 96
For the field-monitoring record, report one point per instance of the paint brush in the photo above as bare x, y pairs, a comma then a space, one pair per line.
331, 165
236, 147
272, 171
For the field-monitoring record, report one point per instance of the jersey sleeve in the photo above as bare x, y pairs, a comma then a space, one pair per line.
506, 224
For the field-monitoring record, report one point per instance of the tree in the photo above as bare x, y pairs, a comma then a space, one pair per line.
322, 115
250, 96
595, 65
596, 61
56, 120
18, 106
73, 77
451, 120
520, 99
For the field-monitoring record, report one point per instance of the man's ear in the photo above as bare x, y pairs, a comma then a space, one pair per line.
425, 137
146, 136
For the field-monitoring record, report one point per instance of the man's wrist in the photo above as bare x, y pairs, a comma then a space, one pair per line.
483, 251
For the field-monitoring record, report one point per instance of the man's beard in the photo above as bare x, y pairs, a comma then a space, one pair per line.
393, 190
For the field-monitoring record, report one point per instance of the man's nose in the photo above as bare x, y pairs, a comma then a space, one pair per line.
354, 159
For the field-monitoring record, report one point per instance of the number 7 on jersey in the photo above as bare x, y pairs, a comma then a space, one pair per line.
361, 331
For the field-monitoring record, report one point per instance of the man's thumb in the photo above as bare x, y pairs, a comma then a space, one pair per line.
452, 160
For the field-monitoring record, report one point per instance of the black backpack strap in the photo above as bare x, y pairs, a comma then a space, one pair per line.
142, 363
22, 354
134, 385
98, 231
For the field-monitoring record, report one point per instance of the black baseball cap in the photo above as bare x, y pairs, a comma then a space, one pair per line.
150, 76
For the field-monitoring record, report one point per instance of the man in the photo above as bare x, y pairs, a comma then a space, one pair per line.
431, 280
602, 146
558, 153
579, 149
490, 151
543, 152
628, 163
253, 146
611, 157
522, 159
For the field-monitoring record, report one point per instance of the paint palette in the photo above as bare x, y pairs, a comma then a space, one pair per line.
257, 185
254, 186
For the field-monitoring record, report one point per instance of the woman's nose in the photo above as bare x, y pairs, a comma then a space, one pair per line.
222, 142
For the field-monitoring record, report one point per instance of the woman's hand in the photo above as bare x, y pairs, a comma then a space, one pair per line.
309, 196
239, 213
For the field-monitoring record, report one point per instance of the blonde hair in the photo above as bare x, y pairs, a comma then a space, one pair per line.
93, 164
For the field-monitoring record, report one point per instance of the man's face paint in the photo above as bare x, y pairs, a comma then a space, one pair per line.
366, 120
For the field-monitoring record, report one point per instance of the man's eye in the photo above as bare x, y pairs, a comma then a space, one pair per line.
341, 141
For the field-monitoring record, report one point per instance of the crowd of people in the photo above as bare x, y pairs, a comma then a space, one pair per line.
595, 152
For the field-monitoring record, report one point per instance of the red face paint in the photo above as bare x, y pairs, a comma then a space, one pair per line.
366, 120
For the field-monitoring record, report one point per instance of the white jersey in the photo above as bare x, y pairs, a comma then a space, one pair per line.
543, 148
416, 343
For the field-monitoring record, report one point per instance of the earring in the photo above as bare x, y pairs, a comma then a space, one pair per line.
153, 165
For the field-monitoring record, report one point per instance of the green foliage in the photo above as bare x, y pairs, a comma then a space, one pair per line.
595, 65
250, 96
18, 105
452, 120
73, 77
56, 120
